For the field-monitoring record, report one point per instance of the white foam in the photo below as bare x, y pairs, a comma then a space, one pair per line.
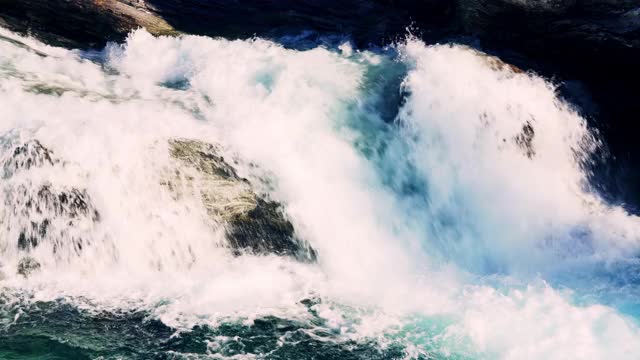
288, 112
495, 204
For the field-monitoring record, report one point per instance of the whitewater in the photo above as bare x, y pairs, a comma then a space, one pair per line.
446, 193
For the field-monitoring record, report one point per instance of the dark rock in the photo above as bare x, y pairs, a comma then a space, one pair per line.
577, 34
265, 230
38, 209
90, 23
27, 265
79, 23
42, 212
595, 43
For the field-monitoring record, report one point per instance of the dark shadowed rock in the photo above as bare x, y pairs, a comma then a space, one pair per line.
45, 213
28, 265
90, 23
264, 229
525, 139
252, 223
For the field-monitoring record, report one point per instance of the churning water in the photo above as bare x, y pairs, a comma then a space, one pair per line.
445, 193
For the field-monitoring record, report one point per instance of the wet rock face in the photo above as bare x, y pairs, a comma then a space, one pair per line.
34, 212
80, 23
253, 223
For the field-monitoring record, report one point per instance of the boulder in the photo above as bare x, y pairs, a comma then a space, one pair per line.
253, 223
38, 211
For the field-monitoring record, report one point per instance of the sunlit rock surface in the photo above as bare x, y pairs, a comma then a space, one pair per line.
252, 223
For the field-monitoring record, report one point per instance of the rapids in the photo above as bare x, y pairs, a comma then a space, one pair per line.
445, 193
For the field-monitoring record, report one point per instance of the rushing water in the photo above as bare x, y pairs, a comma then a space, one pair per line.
445, 193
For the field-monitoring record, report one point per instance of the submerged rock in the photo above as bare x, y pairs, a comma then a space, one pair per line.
253, 223
25, 156
595, 42
27, 265
525, 139
35, 212
43, 212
